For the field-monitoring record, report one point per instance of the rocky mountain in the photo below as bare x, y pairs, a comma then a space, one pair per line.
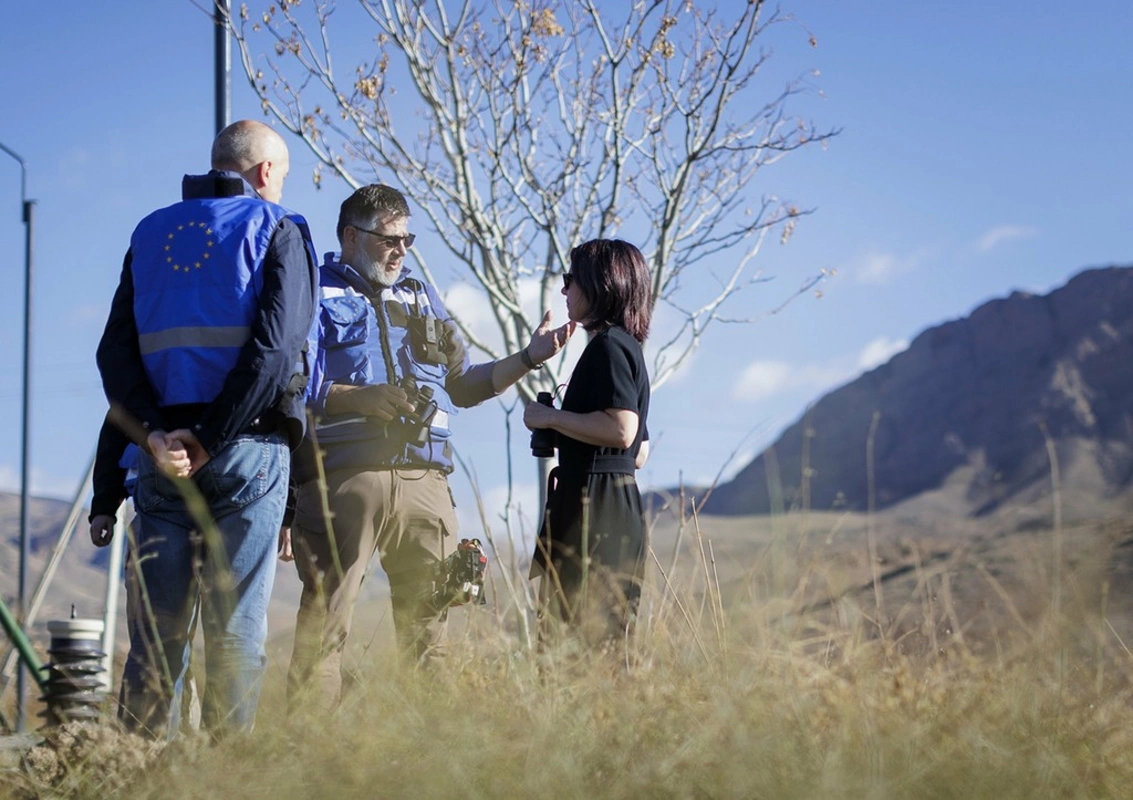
974, 407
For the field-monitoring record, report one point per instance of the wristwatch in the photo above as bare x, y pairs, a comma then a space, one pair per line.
525, 357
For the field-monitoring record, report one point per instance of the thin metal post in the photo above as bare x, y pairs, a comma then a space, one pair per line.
223, 65
113, 582
31, 612
21, 608
25, 457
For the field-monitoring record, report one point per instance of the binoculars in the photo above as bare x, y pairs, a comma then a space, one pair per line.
543, 439
416, 423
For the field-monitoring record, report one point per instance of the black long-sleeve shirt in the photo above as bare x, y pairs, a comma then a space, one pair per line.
109, 479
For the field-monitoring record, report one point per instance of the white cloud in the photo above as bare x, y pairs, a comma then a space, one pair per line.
682, 371
763, 379
663, 329
876, 268
469, 303
1002, 234
880, 350
760, 380
880, 268
523, 511
9, 479
74, 167
470, 306
40, 485
87, 315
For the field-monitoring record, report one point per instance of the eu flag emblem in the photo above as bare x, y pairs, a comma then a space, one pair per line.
189, 246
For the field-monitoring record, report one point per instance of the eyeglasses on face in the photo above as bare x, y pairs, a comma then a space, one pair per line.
568, 279
392, 241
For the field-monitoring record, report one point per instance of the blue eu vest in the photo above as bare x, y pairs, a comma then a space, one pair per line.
351, 345
197, 271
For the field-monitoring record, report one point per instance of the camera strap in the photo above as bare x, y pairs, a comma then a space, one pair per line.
383, 335
415, 304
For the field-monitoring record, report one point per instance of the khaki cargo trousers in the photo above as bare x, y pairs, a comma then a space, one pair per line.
406, 516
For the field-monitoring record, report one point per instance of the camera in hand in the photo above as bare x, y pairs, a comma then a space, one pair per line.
460, 577
416, 423
543, 439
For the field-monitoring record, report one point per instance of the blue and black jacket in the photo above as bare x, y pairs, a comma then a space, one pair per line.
348, 339
210, 320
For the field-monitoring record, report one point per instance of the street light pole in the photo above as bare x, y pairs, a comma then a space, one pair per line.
222, 64
21, 604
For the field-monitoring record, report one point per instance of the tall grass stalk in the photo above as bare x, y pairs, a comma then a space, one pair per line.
1056, 510
521, 598
871, 534
832, 705
1056, 502
824, 707
709, 596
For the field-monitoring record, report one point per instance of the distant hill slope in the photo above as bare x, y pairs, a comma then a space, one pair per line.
81, 578
964, 406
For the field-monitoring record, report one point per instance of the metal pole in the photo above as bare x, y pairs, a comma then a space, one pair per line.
31, 613
29, 225
113, 581
69, 527
20, 642
25, 468
223, 65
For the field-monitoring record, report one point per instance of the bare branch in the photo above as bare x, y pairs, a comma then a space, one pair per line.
522, 128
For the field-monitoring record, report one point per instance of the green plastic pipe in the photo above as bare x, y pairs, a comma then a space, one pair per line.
23, 645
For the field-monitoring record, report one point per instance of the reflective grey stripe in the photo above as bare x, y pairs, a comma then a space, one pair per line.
322, 426
440, 422
193, 337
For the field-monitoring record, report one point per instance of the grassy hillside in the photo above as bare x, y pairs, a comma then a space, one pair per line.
804, 656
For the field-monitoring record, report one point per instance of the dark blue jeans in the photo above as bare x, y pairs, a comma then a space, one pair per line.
178, 562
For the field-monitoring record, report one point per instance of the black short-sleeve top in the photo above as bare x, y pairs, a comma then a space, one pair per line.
610, 374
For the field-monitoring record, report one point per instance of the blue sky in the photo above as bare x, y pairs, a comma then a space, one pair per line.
984, 149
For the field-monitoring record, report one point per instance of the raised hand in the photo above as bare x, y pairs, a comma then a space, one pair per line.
547, 342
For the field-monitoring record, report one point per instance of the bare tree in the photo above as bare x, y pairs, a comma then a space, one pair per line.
522, 128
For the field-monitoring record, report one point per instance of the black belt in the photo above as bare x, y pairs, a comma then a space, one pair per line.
576, 474
268, 422
188, 415
603, 465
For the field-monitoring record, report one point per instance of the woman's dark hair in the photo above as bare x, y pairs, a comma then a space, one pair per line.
616, 283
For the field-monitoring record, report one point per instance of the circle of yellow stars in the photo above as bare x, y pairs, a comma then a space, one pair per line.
196, 263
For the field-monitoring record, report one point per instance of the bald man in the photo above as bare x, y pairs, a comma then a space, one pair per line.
204, 348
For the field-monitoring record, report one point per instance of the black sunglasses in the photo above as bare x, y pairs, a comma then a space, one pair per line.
567, 280
392, 241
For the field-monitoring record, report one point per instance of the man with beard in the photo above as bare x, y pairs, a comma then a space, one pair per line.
383, 337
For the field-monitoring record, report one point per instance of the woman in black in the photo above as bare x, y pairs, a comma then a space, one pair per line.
593, 505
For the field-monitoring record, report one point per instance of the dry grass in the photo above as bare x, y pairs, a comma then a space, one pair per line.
763, 668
